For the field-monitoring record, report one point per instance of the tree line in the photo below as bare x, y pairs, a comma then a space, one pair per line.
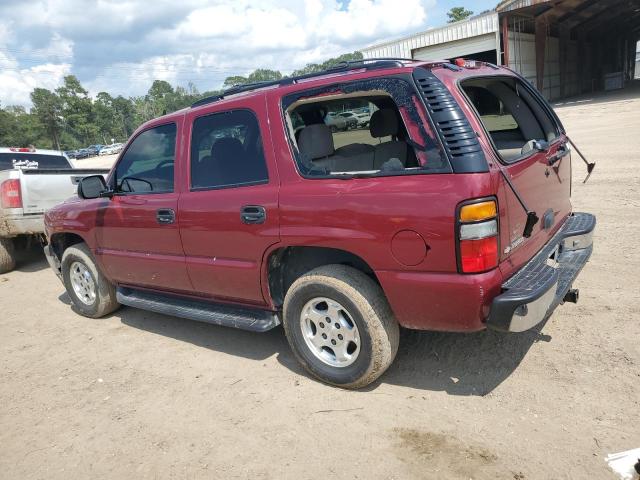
68, 118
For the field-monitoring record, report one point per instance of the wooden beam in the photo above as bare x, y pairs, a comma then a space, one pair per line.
505, 39
540, 41
564, 46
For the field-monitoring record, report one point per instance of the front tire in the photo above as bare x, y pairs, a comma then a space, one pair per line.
340, 326
7, 255
91, 293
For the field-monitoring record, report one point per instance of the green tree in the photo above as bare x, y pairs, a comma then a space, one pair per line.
332, 62
79, 125
19, 128
69, 118
258, 75
124, 117
458, 13
47, 108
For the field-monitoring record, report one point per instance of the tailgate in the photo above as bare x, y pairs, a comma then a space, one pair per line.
531, 146
43, 189
545, 190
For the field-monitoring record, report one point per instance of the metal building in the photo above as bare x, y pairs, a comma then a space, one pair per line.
563, 47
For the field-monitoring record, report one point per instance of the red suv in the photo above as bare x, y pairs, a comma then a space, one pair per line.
450, 210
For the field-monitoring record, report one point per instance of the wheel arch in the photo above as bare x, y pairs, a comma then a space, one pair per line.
62, 240
287, 263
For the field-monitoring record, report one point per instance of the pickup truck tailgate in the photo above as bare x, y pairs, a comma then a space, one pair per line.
42, 189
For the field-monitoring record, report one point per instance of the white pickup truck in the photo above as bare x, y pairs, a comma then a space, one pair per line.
31, 182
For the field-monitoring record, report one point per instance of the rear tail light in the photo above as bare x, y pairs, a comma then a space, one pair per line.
10, 196
477, 236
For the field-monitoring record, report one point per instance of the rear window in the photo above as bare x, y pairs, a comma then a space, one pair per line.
511, 115
33, 160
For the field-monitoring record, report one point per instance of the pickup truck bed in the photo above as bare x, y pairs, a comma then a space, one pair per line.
28, 188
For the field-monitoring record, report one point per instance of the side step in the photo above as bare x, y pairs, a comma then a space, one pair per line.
251, 319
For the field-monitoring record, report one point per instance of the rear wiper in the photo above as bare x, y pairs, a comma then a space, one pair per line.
590, 166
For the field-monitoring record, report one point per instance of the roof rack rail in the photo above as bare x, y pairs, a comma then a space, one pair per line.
366, 63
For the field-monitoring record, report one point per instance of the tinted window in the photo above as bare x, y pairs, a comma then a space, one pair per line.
147, 165
7, 161
226, 150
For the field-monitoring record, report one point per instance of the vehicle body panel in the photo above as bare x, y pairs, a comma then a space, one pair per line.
134, 247
209, 252
541, 186
223, 254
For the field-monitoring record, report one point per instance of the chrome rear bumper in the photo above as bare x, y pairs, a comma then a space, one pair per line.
535, 290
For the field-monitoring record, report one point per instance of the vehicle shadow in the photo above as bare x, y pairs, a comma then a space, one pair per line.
30, 259
456, 363
254, 346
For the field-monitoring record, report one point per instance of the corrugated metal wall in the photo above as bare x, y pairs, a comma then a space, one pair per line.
522, 58
404, 47
459, 48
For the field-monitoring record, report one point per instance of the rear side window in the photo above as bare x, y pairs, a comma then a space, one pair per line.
147, 165
226, 151
44, 162
371, 127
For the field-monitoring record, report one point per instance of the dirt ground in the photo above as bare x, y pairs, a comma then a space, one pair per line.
141, 395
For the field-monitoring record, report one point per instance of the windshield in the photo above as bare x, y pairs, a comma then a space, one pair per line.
32, 160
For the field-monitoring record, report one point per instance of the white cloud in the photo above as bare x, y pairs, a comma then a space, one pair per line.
18, 81
17, 84
121, 46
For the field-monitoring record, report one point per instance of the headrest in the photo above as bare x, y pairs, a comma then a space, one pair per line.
316, 141
383, 123
226, 148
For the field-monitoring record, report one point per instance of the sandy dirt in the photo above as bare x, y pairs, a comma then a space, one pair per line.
141, 395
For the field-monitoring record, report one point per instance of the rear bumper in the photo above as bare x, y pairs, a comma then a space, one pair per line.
535, 290
21, 225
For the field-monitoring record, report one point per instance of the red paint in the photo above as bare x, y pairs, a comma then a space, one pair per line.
387, 221
408, 248
479, 255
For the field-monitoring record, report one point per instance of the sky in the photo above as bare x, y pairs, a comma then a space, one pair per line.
121, 46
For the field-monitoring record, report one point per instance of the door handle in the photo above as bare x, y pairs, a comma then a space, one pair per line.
562, 152
252, 214
165, 216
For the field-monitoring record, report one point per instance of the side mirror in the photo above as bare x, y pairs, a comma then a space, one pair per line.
92, 186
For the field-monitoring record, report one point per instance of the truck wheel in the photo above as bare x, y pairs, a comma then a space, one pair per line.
7, 255
91, 293
340, 326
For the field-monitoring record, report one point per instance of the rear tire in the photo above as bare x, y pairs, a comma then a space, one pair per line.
7, 255
91, 293
340, 326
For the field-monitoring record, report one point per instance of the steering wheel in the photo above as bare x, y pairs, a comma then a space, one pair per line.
162, 164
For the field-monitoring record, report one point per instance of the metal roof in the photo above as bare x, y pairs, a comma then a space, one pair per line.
509, 5
402, 47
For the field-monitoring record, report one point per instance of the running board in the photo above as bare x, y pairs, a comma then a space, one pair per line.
251, 319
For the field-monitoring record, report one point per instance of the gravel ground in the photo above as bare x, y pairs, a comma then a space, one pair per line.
141, 395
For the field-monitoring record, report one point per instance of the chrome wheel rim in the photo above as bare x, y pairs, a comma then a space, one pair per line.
82, 283
329, 332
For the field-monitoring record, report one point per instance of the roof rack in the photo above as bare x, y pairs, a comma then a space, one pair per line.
366, 63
